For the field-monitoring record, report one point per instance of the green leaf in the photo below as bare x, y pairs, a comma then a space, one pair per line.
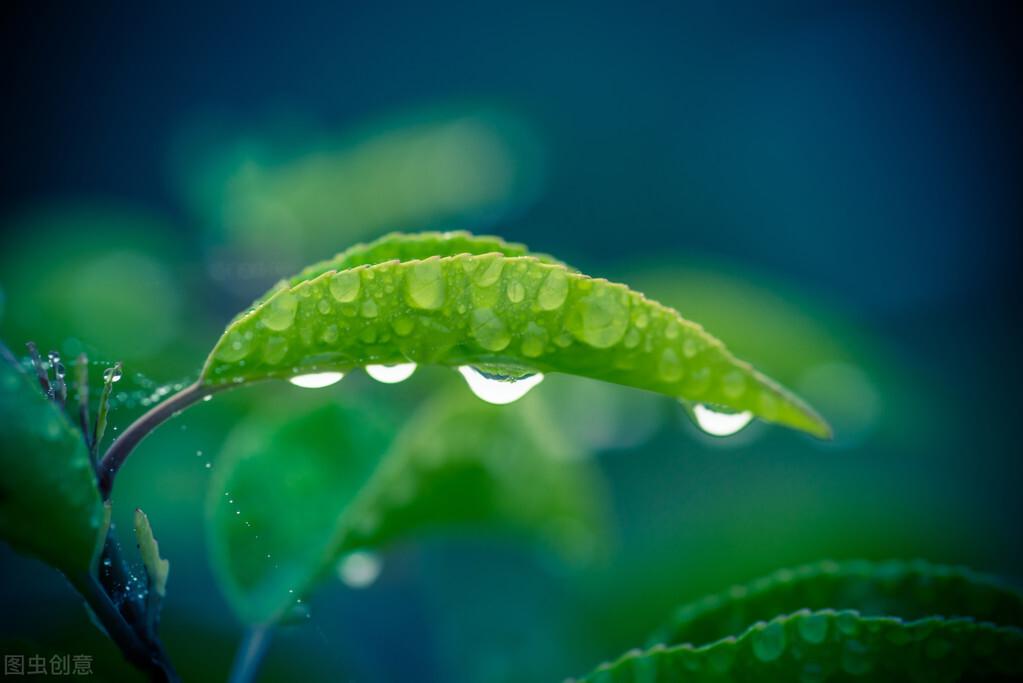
408, 247
910, 590
498, 311
281, 484
157, 567
50, 506
293, 494
464, 462
834, 646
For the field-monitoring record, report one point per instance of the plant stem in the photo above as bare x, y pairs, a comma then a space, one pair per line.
150, 659
250, 654
140, 428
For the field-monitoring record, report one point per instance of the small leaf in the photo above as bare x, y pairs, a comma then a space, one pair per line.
491, 310
464, 462
834, 646
50, 506
292, 494
157, 568
909, 590
281, 483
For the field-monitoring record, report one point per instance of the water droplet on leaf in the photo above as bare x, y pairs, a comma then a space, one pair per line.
344, 286
553, 291
391, 374
496, 388
317, 380
717, 421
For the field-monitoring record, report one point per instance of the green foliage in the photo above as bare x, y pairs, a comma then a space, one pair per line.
883, 621
281, 488
293, 493
50, 506
496, 311
408, 247
910, 590
157, 568
834, 646
463, 462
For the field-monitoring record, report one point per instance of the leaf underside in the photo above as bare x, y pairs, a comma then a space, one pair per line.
293, 493
496, 310
830, 645
50, 506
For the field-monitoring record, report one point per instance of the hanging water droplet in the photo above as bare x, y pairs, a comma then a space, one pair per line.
391, 374
113, 374
497, 388
208, 397
317, 380
717, 421
359, 569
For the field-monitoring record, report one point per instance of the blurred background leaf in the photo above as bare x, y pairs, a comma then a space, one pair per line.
297, 491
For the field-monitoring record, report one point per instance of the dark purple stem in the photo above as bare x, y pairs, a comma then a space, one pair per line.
140, 428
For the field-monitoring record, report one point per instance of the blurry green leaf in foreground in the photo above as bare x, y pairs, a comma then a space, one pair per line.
834, 646
294, 493
49, 504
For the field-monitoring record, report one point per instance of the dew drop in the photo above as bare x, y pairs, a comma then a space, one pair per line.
498, 389
490, 272
534, 340
669, 368
391, 374
769, 642
813, 628
425, 285
553, 291
207, 397
733, 384
599, 320
317, 380
718, 422
323, 306
515, 291
113, 374
403, 326
359, 569
275, 350
344, 286
489, 330
279, 314
369, 309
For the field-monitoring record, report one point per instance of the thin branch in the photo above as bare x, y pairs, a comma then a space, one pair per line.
140, 428
150, 659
